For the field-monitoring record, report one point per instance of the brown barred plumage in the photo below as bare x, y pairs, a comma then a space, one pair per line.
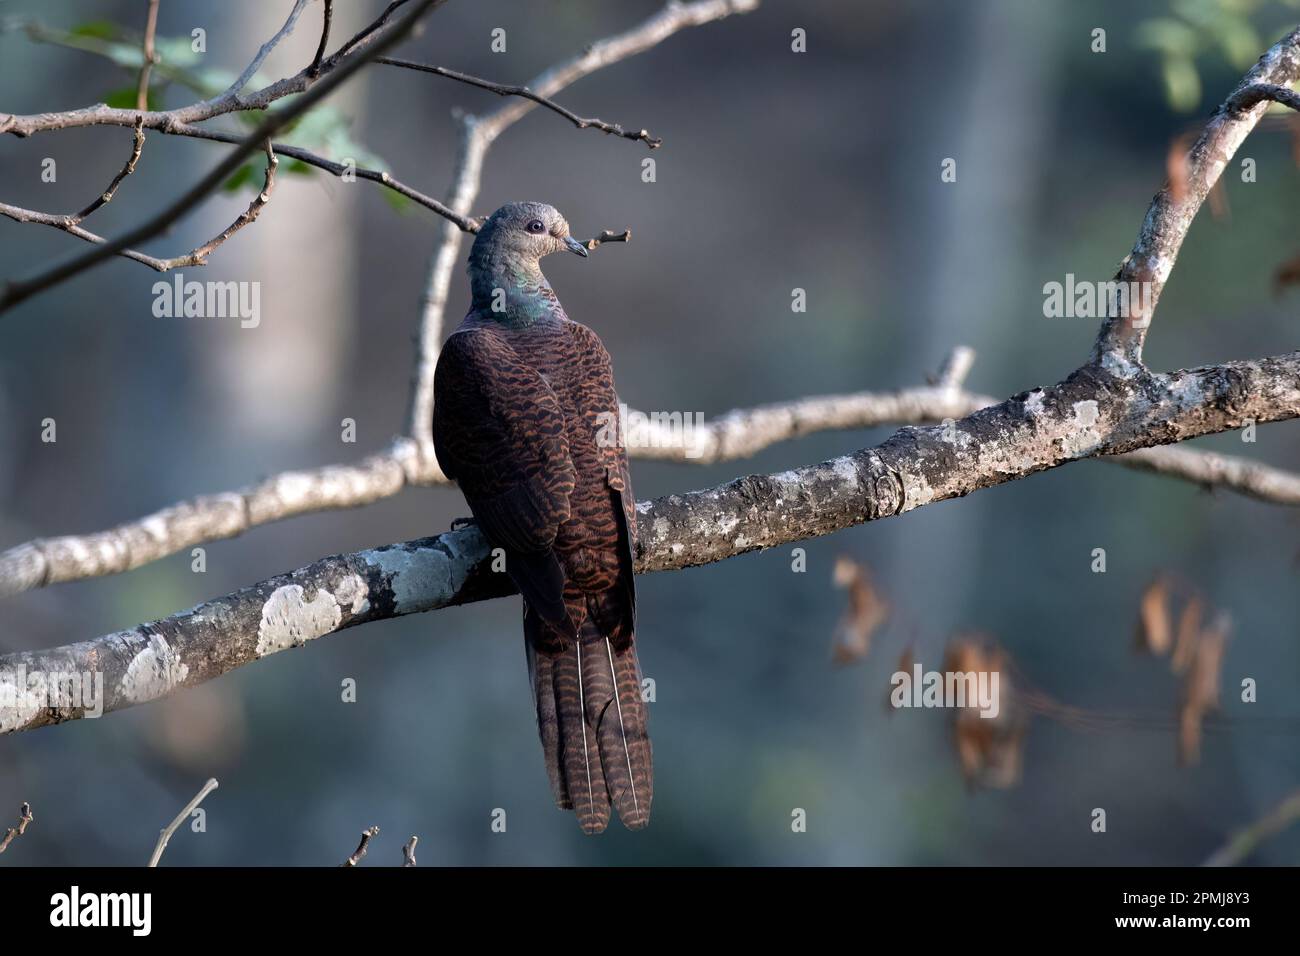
525, 421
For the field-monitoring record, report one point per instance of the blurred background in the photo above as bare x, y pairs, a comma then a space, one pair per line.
779, 170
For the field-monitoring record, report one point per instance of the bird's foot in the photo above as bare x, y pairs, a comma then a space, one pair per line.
459, 523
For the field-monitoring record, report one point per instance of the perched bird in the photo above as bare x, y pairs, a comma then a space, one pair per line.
525, 421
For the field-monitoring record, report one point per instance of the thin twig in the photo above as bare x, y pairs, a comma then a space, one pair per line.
1245, 842
476, 136
196, 257
22, 290
365, 34
24, 819
506, 89
165, 836
150, 57
360, 851
106, 196
314, 69
607, 236
251, 70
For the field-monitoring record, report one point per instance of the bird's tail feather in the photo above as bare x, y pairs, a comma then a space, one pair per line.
592, 723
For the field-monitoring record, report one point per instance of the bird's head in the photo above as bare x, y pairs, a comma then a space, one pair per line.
520, 233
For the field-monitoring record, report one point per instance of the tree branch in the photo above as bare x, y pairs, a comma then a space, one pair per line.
505, 89
738, 434
24, 820
476, 136
150, 57
165, 835
104, 198
337, 72
1119, 343
1092, 413
1247, 841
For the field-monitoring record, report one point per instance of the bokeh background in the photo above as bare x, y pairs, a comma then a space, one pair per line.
779, 170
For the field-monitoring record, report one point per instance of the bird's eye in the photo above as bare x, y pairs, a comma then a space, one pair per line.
536, 226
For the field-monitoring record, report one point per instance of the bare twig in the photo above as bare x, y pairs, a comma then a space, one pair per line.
476, 136
164, 837
19, 291
196, 257
360, 851
1119, 343
251, 70
200, 255
364, 35
506, 89
607, 236
314, 69
24, 820
408, 851
104, 198
1245, 842
150, 57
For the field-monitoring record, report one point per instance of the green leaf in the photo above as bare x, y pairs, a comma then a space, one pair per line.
400, 204
1182, 83
242, 177
100, 29
296, 167
125, 99
1171, 37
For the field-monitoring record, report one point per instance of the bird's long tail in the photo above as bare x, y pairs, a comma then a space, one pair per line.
592, 722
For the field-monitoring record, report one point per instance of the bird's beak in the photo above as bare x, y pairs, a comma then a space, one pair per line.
575, 246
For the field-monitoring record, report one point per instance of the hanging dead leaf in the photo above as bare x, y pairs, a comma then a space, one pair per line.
990, 749
1189, 632
1286, 275
1200, 692
1155, 632
865, 612
1178, 167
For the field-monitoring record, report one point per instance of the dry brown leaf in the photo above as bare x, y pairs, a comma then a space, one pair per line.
1286, 275
1177, 167
1155, 632
1189, 631
1200, 694
865, 612
989, 749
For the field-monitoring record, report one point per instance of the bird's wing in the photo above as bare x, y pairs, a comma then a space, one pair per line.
499, 432
597, 397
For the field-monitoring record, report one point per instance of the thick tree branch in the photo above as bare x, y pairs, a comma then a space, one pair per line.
1119, 344
736, 435
1092, 413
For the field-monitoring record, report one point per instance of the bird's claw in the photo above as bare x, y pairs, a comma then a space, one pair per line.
459, 523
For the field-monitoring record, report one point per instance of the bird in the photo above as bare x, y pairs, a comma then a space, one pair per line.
525, 422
